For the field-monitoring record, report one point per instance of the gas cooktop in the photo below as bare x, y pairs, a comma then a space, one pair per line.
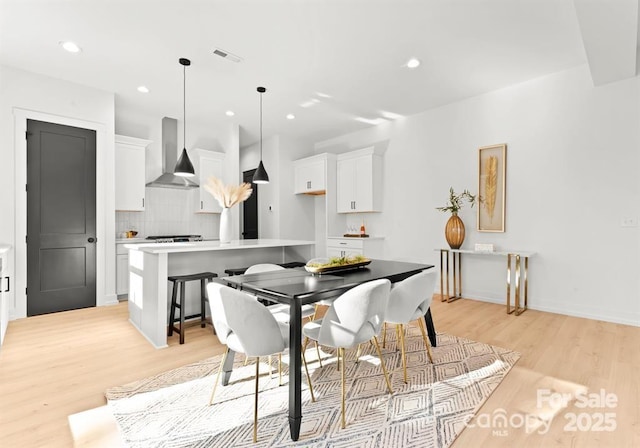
175, 238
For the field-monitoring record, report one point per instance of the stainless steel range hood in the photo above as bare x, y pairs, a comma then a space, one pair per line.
169, 158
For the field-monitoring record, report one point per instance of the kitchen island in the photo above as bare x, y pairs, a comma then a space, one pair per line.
150, 265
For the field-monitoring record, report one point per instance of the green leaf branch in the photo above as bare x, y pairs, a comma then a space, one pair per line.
456, 201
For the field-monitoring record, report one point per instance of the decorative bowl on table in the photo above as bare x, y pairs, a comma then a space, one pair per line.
336, 264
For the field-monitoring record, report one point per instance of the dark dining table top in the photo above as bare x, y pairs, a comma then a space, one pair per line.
284, 285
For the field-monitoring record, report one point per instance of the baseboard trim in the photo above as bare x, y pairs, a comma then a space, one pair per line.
603, 315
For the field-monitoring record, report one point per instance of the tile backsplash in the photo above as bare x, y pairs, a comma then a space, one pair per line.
169, 211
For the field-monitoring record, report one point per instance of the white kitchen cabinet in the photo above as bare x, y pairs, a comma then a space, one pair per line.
207, 164
129, 171
348, 247
310, 175
122, 270
359, 181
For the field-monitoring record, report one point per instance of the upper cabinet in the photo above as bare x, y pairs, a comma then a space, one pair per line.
310, 175
130, 172
206, 164
359, 181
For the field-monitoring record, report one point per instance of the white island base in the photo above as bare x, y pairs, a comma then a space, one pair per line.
151, 264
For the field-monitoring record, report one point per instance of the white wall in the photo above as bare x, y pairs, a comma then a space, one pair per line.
26, 95
572, 175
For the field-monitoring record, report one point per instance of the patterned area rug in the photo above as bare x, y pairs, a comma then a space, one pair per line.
171, 409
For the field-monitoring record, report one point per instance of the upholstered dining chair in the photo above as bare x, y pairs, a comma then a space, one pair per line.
354, 317
244, 325
279, 310
409, 300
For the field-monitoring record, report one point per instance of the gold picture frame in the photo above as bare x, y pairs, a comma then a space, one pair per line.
492, 176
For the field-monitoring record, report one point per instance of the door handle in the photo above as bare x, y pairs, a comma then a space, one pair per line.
92, 240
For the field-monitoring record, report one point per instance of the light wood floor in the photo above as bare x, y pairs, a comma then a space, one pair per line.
56, 365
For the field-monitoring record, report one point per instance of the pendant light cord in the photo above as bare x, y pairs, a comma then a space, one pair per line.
260, 126
184, 106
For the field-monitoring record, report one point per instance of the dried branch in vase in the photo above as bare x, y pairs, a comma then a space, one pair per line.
228, 195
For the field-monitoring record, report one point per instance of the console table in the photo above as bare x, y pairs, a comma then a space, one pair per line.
521, 264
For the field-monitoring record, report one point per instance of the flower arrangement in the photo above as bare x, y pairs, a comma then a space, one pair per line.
456, 201
228, 195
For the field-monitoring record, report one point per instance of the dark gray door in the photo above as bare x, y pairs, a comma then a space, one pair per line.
250, 209
61, 218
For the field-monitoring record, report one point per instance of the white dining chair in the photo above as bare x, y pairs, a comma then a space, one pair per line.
279, 310
354, 317
409, 300
244, 325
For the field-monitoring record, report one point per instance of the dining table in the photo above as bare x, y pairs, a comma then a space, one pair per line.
297, 287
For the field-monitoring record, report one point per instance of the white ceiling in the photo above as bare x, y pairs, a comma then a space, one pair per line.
352, 50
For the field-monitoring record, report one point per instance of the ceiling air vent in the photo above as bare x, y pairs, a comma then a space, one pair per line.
226, 55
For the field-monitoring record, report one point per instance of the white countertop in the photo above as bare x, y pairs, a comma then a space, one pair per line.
131, 240
200, 246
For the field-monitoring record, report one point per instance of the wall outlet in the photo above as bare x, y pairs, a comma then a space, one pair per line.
629, 221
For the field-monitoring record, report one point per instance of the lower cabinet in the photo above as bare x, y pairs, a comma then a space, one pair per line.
348, 247
122, 274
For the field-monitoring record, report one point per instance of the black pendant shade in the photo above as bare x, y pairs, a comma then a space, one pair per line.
261, 176
184, 167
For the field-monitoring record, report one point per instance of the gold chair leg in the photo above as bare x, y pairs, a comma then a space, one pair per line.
384, 369
404, 359
397, 337
358, 353
318, 352
384, 335
255, 406
425, 339
215, 385
279, 369
304, 348
246, 360
306, 370
344, 424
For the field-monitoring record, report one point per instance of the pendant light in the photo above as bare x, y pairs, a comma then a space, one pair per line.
261, 176
184, 167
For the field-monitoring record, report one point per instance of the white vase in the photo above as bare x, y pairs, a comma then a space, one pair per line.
225, 226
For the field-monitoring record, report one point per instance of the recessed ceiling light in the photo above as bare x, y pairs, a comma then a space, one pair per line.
71, 47
323, 95
290, 116
143, 89
413, 63
311, 102
230, 113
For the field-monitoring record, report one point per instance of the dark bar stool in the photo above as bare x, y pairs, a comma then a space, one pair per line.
179, 302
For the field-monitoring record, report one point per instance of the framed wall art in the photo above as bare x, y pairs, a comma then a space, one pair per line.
492, 174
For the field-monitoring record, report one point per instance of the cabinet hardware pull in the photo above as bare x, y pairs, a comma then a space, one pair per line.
142, 202
200, 205
8, 284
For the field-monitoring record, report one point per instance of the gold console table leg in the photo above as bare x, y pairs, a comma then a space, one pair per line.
444, 278
517, 309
